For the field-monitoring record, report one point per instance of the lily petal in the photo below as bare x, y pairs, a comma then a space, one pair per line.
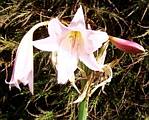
66, 65
46, 44
90, 61
56, 28
126, 46
78, 21
94, 40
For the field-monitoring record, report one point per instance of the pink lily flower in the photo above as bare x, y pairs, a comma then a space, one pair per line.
126, 46
72, 43
23, 66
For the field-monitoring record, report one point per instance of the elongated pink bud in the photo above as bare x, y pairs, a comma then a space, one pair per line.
126, 46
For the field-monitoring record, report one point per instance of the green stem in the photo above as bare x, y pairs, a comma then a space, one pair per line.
83, 106
83, 109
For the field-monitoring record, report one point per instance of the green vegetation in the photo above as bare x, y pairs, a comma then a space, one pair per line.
125, 98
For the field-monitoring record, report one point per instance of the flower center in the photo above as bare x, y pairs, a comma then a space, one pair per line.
72, 42
76, 40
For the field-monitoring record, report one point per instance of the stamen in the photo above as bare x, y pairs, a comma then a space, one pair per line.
75, 39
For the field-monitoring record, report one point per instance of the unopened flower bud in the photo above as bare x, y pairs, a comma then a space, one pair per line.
126, 46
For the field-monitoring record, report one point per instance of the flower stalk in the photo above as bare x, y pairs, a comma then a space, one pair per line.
83, 106
83, 109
